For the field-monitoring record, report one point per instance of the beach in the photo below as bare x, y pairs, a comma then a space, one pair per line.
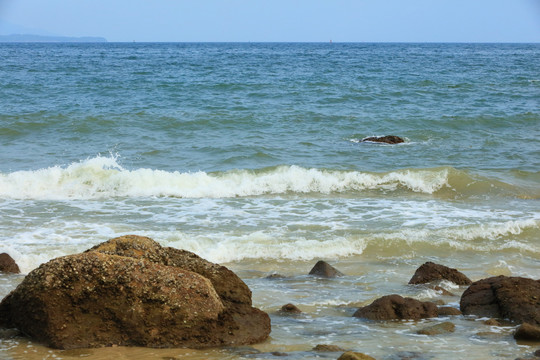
251, 156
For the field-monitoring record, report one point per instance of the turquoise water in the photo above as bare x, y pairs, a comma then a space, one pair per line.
250, 155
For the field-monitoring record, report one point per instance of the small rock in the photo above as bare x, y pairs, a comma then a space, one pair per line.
290, 309
448, 311
492, 322
396, 307
323, 269
443, 291
537, 353
276, 276
351, 355
442, 328
388, 139
327, 348
527, 332
8, 265
278, 353
429, 272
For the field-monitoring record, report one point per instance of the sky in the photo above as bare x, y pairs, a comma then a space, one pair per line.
277, 20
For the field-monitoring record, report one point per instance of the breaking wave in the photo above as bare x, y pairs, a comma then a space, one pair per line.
103, 177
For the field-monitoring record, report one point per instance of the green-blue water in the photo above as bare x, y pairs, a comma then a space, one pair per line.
250, 155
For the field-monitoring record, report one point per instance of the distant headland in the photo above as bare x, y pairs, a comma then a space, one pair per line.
43, 38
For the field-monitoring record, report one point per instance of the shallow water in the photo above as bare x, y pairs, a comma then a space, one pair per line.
250, 155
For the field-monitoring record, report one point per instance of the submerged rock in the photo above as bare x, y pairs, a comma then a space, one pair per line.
327, 348
323, 269
289, 309
351, 355
503, 297
438, 329
130, 291
388, 139
429, 272
8, 265
396, 307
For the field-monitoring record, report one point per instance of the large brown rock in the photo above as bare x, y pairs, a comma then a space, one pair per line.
513, 298
130, 291
527, 332
396, 307
8, 265
429, 272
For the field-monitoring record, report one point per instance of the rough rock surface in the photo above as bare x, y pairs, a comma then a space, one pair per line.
396, 307
429, 272
130, 291
323, 269
388, 139
514, 298
527, 332
8, 265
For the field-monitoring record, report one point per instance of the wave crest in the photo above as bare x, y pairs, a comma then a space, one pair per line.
102, 177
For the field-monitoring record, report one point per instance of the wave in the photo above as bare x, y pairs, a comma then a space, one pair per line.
103, 177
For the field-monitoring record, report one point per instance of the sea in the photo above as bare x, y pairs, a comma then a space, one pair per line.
251, 156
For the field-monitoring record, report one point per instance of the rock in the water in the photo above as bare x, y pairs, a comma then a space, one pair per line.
290, 309
351, 355
388, 139
438, 329
429, 272
323, 269
130, 291
513, 298
527, 332
396, 307
448, 311
8, 265
327, 348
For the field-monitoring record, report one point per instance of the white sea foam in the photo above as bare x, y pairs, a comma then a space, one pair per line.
102, 177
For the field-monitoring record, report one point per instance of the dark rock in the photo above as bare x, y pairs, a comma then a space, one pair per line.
438, 329
537, 353
351, 355
527, 332
388, 139
395, 307
130, 291
279, 353
429, 272
513, 298
8, 265
323, 269
327, 348
448, 311
290, 309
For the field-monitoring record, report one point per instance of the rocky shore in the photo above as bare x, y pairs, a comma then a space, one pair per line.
130, 291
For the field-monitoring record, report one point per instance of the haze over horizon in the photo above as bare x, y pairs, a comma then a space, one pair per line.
279, 21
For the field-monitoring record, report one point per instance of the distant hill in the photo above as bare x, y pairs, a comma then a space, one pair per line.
43, 38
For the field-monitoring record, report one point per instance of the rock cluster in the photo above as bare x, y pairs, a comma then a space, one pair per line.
131, 291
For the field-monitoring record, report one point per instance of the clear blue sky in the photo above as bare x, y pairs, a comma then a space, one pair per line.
278, 20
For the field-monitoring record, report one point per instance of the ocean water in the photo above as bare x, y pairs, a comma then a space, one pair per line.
250, 155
